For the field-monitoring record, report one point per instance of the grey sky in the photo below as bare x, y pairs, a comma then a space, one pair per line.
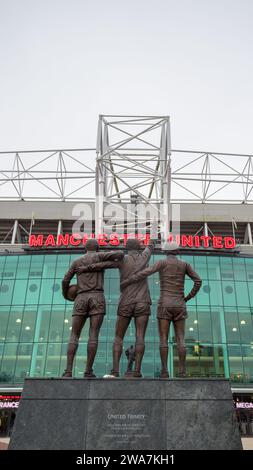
64, 62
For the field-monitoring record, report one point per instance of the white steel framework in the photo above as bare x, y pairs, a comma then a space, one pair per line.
133, 164
132, 159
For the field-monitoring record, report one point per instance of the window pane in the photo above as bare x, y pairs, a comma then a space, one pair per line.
228, 290
226, 268
19, 292
239, 269
57, 292
249, 268
192, 361
28, 325
14, 325
46, 291
204, 325
67, 325
245, 324
4, 317
9, 271
56, 325
23, 362
2, 263
203, 296
242, 293
232, 326
23, 267
187, 290
235, 363
42, 324
213, 266
215, 293
217, 326
250, 290
187, 259
80, 361
191, 327
36, 266
200, 266
6, 291
247, 352
49, 266
211, 361
62, 266
33, 291
52, 366
38, 360
63, 358
9, 362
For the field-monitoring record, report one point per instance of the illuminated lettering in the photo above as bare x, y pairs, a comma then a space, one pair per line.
187, 240
217, 242
62, 239
206, 240
115, 239
75, 239
102, 239
229, 242
196, 241
50, 240
36, 240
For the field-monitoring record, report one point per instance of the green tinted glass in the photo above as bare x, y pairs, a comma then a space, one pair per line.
36, 321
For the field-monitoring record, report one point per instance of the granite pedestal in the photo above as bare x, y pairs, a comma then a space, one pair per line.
120, 414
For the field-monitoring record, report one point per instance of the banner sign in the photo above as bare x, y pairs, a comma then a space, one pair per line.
114, 239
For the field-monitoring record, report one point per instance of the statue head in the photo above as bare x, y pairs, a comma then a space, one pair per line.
133, 244
92, 245
171, 248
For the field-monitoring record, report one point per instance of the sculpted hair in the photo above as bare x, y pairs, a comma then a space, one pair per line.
92, 245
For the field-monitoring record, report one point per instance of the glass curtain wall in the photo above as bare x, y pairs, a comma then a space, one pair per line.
35, 320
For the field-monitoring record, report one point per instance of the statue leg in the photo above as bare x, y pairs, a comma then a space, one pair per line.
179, 327
120, 330
95, 325
78, 322
164, 328
141, 323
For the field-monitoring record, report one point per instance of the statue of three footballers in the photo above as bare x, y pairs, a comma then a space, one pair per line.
134, 302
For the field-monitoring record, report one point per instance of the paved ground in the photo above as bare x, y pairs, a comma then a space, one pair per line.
4, 442
246, 442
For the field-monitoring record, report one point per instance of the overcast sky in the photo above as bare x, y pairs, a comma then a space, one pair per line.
64, 62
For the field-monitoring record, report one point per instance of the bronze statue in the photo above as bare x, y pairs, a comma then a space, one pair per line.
130, 354
134, 301
89, 302
172, 302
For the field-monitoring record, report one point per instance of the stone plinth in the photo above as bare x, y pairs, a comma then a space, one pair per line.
120, 414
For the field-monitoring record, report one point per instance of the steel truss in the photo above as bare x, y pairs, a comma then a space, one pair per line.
133, 164
46, 175
132, 159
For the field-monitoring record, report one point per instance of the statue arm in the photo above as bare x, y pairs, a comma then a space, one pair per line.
142, 274
197, 282
99, 266
111, 255
67, 278
146, 254
108, 260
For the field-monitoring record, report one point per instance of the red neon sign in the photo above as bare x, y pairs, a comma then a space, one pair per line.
114, 239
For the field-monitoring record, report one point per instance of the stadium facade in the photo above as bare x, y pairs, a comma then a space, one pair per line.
52, 201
